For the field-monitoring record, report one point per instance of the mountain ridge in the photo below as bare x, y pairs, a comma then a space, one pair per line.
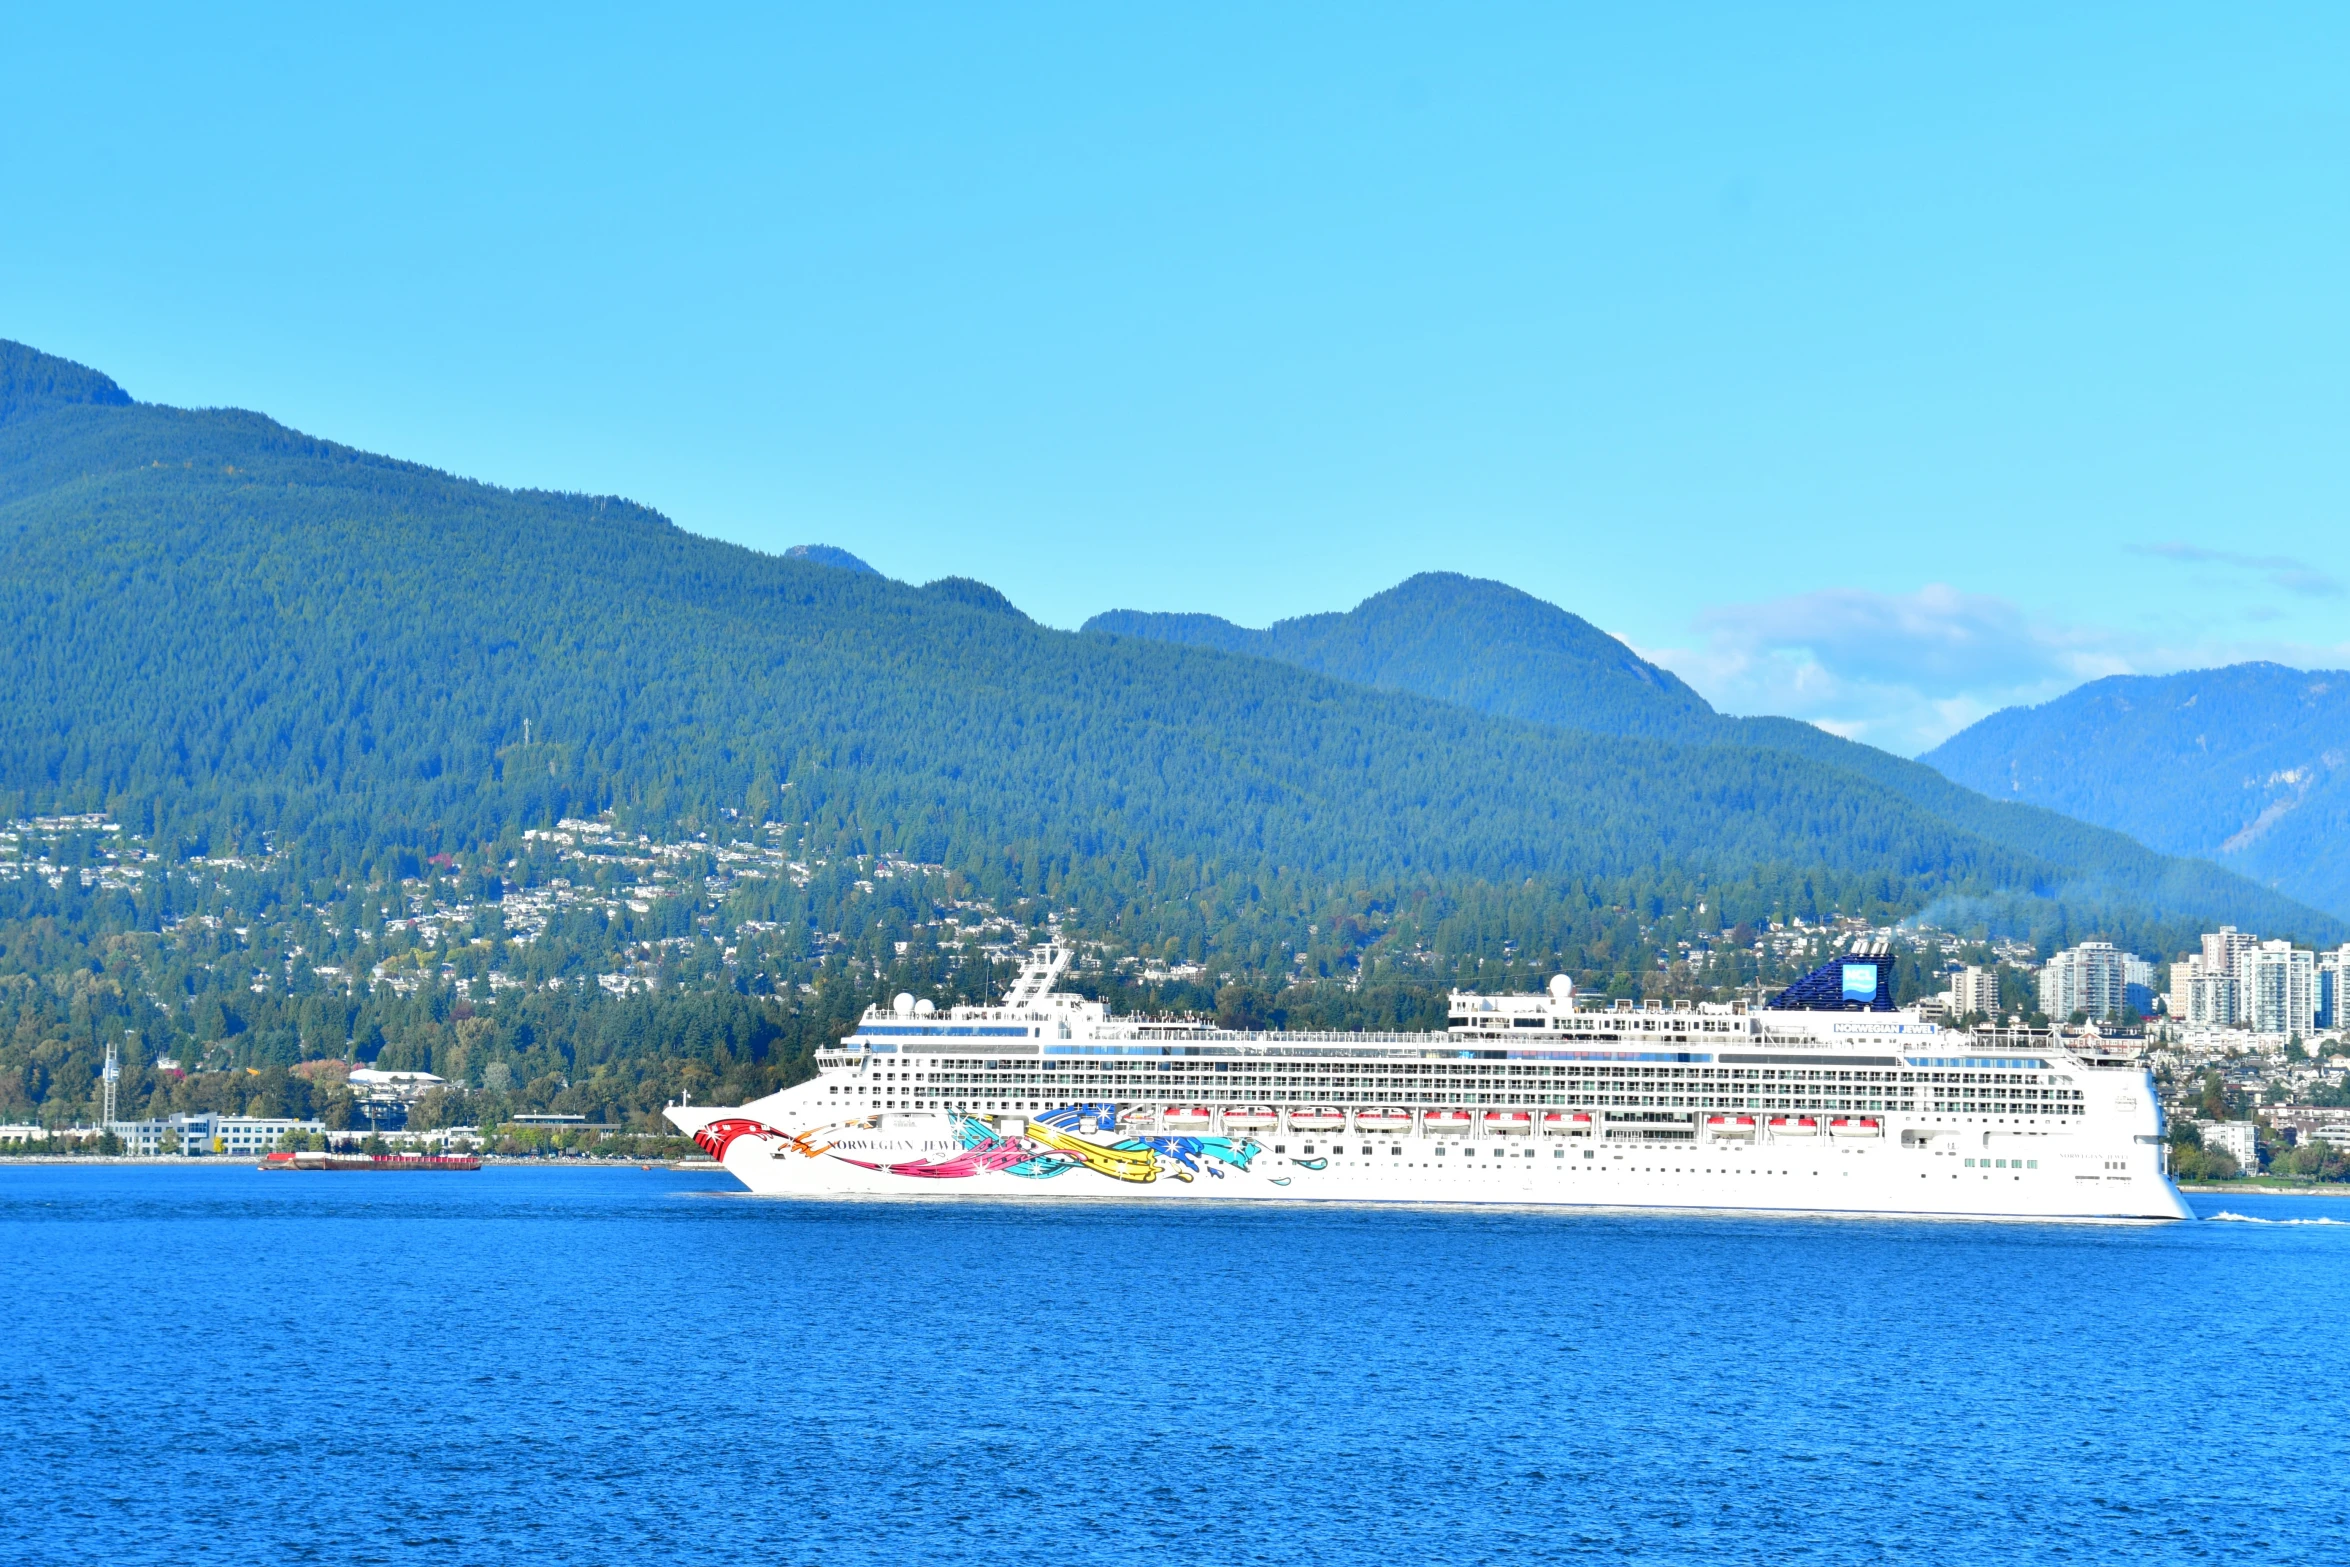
237, 630
1518, 656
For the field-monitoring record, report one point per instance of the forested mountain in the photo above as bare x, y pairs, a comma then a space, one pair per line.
1487, 646
2247, 765
1476, 644
344, 681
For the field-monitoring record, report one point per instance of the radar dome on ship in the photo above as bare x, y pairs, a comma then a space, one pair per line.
903, 1006
1562, 989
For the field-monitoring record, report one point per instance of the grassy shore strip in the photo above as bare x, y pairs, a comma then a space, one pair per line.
2269, 1189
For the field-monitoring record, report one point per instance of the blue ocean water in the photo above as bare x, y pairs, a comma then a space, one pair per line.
615, 1365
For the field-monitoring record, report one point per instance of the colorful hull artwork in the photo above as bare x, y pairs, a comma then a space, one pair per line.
1048, 1146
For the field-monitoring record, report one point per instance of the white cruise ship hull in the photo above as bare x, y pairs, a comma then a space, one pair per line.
932, 1155
1844, 1105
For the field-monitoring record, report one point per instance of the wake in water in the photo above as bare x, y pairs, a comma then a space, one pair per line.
2245, 1218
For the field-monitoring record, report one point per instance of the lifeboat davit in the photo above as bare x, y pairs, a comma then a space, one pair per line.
1447, 1120
1250, 1118
1856, 1126
1317, 1120
1730, 1125
1794, 1126
1187, 1118
1509, 1121
1384, 1120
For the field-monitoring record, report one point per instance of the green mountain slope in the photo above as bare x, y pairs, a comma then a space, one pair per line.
1475, 644
225, 630
2248, 766
1488, 646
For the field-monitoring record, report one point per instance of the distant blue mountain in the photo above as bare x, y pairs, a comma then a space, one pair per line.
2248, 766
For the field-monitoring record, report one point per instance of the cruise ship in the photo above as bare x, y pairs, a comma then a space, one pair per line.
1825, 1099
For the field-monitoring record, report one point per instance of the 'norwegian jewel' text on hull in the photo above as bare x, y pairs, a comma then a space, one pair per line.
1826, 1101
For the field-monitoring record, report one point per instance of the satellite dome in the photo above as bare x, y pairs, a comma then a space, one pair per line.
904, 1005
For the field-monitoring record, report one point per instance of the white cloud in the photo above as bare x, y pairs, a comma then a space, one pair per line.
1907, 671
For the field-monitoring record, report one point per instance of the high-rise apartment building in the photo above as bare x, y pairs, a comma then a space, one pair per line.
2205, 987
2091, 979
1974, 990
2276, 989
2333, 977
2223, 946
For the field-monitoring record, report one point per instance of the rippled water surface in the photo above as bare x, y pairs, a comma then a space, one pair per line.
570, 1365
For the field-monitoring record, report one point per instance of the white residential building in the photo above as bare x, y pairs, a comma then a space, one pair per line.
2090, 979
2276, 989
2211, 998
2206, 987
2222, 947
1973, 990
2235, 1139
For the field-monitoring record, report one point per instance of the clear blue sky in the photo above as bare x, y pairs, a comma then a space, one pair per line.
1868, 363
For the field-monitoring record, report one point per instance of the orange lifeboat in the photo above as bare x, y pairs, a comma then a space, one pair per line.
1187, 1118
1509, 1122
1856, 1126
1250, 1118
1447, 1120
1318, 1120
1730, 1125
1384, 1120
1794, 1126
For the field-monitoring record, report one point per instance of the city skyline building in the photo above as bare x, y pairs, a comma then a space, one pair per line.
2091, 979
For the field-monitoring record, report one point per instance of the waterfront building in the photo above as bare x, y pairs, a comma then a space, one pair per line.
200, 1135
2091, 979
2237, 1140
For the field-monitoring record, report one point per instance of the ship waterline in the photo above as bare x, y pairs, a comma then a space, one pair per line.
1828, 1101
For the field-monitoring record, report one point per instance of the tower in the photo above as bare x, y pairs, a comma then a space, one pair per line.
109, 1077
